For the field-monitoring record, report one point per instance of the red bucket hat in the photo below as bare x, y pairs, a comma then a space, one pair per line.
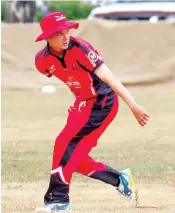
54, 22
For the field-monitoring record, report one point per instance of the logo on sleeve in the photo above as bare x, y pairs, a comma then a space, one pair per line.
93, 56
52, 68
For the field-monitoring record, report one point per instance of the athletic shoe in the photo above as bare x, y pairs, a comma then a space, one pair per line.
126, 187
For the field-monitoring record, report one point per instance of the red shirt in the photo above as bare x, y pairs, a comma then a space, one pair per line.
75, 68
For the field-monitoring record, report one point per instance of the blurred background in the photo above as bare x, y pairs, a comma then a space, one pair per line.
32, 11
137, 42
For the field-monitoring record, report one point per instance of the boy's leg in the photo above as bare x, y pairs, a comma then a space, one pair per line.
58, 190
74, 143
123, 181
97, 170
88, 137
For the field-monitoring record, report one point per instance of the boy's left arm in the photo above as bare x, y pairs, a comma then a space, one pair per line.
108, 77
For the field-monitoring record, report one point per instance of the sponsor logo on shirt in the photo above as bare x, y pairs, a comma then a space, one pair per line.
52, 68
73, 82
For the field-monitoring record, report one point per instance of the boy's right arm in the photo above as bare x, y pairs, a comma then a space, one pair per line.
39, 63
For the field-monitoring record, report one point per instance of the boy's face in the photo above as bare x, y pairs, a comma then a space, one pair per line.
60, 39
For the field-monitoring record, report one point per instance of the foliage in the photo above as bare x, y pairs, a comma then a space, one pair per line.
72, 9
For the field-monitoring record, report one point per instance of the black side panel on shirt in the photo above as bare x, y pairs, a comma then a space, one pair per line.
101, 87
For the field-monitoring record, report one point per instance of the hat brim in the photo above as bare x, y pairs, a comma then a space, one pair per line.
66, 25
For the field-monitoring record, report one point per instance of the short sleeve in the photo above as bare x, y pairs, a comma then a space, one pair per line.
40, 65
89, 58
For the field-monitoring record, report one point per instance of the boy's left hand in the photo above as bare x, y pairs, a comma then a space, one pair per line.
140, 114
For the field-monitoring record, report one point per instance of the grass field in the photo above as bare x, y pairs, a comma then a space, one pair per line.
30, 122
